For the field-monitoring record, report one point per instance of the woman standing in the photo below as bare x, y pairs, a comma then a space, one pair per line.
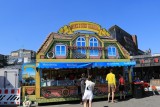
88, 93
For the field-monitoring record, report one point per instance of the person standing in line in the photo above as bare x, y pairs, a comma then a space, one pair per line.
82, 80
111, 84
121, 86
88, 93
137, 79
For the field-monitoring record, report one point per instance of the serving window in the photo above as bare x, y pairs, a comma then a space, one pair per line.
61, 77
70, 77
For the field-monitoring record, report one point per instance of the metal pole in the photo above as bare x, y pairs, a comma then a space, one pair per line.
88, 71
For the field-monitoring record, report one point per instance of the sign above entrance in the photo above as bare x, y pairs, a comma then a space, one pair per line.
83, 64
83, 26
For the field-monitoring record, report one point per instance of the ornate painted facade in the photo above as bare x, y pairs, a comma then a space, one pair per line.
77, 47
70, 43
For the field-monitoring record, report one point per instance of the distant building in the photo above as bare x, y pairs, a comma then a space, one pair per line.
3, 60
147, 66
22, 56
129, 42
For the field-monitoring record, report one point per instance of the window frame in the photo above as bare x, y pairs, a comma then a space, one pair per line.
81, 42
112, 54
60, 45
93, 46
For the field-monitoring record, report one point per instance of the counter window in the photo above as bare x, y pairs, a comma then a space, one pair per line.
61, 77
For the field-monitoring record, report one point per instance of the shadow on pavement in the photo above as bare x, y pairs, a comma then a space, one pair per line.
126, 99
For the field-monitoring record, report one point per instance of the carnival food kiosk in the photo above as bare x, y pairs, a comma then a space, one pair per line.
80, 47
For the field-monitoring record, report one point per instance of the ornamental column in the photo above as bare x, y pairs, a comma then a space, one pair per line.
38, 83
87, 44
70, 50
103, 50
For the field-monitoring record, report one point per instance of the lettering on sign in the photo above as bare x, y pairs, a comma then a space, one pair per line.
87, 26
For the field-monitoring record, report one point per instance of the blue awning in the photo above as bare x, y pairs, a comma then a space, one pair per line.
113, 64
84, 65
64, 65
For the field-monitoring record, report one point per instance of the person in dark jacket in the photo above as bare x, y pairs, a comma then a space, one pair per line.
82, 80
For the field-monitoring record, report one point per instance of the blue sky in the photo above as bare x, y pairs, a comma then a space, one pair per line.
27, 23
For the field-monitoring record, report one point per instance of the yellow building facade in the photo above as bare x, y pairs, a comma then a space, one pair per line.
79, 47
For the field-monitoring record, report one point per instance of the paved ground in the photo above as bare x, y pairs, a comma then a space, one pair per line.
151, 101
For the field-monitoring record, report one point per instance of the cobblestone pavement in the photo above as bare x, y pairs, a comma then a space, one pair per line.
151, 101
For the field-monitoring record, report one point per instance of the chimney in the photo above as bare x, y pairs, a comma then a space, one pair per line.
134, 37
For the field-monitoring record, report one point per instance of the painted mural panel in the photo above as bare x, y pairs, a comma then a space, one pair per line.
28, 75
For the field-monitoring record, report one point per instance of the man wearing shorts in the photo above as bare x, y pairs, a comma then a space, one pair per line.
111, 84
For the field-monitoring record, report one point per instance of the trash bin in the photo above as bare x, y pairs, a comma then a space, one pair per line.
138, 90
